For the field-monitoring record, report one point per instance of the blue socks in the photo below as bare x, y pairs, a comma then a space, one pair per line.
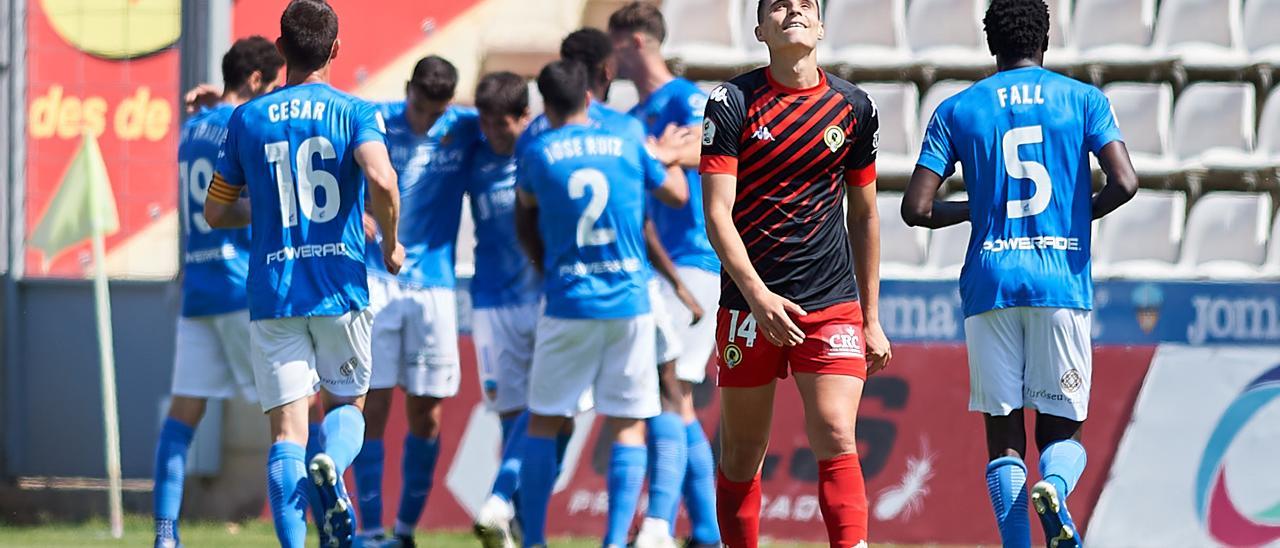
368, 472
668, 459
537, 478
315, 440
343, 435
1006, 483
1062, 463
515, 435
171, 470
626, 476
700, 486
418, 467
508, 426
287, 487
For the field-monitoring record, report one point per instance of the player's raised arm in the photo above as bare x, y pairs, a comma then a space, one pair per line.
1102, 136
920, 204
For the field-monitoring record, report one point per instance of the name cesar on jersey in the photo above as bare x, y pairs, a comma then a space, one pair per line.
307, 252
1028, 243
296, 109
564, 149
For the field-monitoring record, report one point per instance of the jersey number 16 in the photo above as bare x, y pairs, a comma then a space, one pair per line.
310, 179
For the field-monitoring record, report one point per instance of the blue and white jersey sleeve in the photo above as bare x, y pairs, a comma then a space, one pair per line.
1100, 121
229, 169
370, 125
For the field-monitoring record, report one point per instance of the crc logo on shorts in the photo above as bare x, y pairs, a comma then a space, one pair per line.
732, 355
1071, 381
833, 136
843, 342
348, 367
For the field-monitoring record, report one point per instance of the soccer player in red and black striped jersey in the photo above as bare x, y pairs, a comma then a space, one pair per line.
783, 147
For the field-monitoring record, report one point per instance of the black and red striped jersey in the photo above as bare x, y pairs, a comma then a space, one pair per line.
792, 150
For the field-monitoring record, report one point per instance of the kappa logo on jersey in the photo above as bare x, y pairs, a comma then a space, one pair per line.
708, 131
719, 94
762, 134
843, 341
833, 136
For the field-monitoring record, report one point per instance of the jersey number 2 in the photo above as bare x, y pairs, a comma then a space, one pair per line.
309, 180
579, 182
1026, 169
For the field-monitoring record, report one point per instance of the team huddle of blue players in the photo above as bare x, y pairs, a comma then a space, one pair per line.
320, 243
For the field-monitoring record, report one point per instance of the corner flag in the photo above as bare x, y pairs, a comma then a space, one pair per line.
84, 208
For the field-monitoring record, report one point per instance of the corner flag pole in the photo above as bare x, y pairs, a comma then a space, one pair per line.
110, 412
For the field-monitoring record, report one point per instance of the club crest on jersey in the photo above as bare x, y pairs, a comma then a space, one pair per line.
732, 355
833, 136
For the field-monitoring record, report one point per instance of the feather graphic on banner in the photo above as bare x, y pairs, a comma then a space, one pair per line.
906, 499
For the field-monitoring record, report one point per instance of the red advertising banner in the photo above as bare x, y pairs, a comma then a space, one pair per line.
922, 453
106, 67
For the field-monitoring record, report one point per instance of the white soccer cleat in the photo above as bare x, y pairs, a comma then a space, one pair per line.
493, 524
655, 533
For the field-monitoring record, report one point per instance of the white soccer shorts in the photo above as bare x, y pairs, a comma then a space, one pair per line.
667, 339
698, 340
383, 288
1030, 357
415, 343
504, 338
293, 357
612, 358
212, 357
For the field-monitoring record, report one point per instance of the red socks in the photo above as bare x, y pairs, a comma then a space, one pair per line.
842, 496
738, 511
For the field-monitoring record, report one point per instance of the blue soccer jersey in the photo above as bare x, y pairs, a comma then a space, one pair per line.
430, 167
294, 149
215, 261
683, 231
601, 116
590, 184
1023, 137
503, 276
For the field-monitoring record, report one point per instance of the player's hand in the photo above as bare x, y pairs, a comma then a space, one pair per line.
773, 318
878, 350
370, 228
392, 255
686, 298
201, 96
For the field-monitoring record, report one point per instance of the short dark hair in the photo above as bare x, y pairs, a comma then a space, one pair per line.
590, 47
248, 55
762, 3
639, 17
308, 29
563, 85
1017, 28
502, 93
435, 77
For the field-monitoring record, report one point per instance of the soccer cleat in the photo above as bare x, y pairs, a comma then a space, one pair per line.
493, 524
654, 534
335, 524
690, 543
1059, 530
404, 541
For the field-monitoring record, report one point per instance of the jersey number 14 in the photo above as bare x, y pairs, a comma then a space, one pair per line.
310, 179
1026, 169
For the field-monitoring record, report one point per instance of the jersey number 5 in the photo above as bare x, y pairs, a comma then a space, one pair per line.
309, 180
579, 182
1026, 169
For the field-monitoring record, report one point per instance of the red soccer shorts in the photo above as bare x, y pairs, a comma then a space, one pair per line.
833, 345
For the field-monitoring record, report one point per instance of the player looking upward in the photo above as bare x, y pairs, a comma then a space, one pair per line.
669, 104
1023, 137
783, 146
580, 215
212, 359
305, 152
415, 336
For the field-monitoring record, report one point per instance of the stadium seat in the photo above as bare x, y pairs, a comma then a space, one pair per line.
1213, 130
866, 37
938, 92
704, 33
1202, 34
948, 246
623, 95
1143, 112
947, 35
754, 53
1227, 235
1060, 56
1114, 35
1269, 129
1271, 268
897, 103
1141, 239
902, 247
1261, 19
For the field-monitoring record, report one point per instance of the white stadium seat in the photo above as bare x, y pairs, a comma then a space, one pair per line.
1141, 239
753, 51
1261, 20
1271, 268
897, 103
1227, 235
1268, 148
866, 35
948, 246
947, 34
1213, 126
623, 95
902, 247
937, 93
1060, 55
703, 32
1202, 34
1143, 112
1114, 32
